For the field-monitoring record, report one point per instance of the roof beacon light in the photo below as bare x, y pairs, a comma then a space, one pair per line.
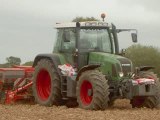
103, 16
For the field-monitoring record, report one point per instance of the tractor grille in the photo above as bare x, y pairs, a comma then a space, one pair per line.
126, 65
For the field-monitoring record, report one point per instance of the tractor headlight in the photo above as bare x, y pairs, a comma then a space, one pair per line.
121, 74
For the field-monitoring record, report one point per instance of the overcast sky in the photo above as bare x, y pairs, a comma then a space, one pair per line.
26, 26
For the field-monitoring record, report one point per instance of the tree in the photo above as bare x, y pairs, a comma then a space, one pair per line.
83, 19
13, 61
144, 56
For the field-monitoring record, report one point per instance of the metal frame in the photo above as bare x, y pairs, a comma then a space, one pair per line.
10, 95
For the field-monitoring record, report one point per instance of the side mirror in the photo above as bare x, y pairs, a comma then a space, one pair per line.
66, 36
134, 37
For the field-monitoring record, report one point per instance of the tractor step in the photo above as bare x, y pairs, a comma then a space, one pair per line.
68, 86
64, 86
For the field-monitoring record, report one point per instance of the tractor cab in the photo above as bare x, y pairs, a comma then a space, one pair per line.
77, 40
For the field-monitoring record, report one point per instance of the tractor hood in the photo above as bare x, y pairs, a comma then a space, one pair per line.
110, 63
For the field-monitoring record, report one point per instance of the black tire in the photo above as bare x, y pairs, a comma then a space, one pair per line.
94, 82
148, 101
46, 84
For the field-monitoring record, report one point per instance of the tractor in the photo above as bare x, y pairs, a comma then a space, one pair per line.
101, 73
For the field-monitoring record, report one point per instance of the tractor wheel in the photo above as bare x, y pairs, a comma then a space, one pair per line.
46, 84
92, 90
148, 101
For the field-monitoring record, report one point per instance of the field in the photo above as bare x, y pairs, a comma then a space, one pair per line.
120, 111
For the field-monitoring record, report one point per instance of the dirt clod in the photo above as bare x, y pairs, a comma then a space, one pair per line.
120, 111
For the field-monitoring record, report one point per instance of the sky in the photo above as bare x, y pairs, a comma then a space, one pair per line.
27, 26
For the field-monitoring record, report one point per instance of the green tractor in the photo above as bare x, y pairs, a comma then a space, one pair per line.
102, 74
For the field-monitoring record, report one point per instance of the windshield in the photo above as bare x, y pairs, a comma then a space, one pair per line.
95, 40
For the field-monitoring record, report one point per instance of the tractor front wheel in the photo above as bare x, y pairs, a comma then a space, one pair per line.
92, 90
148, 101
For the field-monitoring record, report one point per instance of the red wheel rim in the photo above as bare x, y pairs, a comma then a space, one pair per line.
85, 88
43, 84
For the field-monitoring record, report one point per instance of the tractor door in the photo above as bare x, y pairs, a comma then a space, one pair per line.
68, 44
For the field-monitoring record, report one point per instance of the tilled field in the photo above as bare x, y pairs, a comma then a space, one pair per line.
120, 111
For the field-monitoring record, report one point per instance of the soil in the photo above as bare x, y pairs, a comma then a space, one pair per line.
120, 111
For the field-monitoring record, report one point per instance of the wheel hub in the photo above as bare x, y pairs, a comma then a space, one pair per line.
86, 92
43, 84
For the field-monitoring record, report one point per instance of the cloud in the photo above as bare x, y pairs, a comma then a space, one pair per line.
26, 26
149, 5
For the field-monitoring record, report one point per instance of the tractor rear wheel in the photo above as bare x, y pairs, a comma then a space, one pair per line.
148, 101
46, 84
92, 90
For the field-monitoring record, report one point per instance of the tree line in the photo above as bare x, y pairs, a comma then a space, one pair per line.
140, 55
10, 61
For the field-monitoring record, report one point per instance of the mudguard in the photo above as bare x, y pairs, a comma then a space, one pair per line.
87, 67
53, 57
145, 68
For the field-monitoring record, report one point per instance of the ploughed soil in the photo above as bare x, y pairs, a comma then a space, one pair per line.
120, 111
